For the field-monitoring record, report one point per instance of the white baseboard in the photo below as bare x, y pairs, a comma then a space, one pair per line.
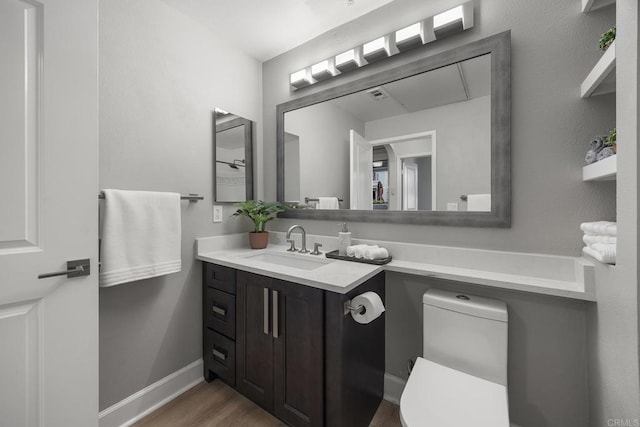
133, 408
393, 387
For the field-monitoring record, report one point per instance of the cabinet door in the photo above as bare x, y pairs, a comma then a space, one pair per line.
254, 342
298, 363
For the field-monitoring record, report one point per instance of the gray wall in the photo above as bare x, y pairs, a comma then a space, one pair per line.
546, 373
324, 150
463, 145
161, 75
553, 48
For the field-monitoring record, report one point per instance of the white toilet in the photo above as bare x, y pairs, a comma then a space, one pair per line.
462, 379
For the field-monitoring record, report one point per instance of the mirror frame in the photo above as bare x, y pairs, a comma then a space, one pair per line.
499, 46
248, 154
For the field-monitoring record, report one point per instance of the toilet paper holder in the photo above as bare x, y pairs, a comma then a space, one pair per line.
348, 308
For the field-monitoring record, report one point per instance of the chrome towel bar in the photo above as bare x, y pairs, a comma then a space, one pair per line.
190, 197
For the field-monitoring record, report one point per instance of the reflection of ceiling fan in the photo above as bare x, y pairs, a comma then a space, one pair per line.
235, 165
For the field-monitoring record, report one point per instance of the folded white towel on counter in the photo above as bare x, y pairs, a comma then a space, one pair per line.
141, 236
351, 250
590, 239
328, 203
360, 252
606, 228
602, 252
376, 253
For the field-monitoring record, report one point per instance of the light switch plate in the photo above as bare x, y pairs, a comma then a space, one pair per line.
217, 213
452, 206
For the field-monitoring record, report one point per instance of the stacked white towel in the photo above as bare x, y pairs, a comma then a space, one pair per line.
367, 252
601, 240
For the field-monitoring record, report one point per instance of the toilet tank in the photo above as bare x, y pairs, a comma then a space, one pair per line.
467, 333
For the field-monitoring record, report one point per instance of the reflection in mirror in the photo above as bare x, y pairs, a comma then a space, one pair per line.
422, 143
233, 145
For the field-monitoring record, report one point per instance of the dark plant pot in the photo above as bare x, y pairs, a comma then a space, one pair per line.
258, 240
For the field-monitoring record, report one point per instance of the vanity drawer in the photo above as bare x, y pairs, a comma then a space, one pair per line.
220, 353
220, 312
220, 277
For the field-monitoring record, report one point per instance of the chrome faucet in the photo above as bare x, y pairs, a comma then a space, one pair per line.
304, 249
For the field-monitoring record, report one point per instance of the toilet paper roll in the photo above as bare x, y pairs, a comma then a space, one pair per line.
373, 307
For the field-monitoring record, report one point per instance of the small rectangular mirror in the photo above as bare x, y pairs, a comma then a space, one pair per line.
232, 157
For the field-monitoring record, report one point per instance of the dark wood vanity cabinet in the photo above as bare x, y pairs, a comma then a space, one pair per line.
292, 349
280, 351
219, 322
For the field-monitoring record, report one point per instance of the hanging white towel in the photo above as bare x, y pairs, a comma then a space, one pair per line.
141, 236
328, 203
479, 202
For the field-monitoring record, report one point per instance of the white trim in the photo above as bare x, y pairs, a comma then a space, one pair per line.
393, 387
133, 408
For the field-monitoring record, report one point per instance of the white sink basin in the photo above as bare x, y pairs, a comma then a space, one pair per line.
300, 261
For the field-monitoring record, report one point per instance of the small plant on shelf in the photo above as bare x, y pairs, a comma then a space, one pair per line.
607, 38
610, 140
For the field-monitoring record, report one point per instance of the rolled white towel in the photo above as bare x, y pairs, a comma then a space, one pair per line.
376, 253
351, 250
602, 252
360, 252
590, 239
607, 228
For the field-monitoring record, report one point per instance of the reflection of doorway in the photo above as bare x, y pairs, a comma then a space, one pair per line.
409, 186
416, 183
421, 147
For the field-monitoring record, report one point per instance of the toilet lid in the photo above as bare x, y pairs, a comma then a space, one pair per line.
439, 396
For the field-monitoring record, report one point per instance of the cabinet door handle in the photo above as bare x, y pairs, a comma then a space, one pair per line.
219, 310
276, 333
265, 309
218, 354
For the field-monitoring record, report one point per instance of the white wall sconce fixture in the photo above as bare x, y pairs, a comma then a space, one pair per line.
301, 78
436, 27
323, 69
349, 60
376, 49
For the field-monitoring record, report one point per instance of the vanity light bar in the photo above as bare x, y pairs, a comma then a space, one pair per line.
433, 28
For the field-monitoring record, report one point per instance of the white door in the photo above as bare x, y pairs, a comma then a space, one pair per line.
48, 212
361, 160
409, 187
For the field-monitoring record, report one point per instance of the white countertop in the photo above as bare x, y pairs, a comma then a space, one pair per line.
332, 275
560, 276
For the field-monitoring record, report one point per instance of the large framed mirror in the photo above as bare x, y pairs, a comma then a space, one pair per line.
232, 157
427, 142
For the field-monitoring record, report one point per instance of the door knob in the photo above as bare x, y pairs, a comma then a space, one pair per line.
75, 268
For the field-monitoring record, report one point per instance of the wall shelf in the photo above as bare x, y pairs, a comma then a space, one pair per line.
601, 79
589, 5
604, 170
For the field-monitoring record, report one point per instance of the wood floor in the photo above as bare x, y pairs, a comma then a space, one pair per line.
216, 404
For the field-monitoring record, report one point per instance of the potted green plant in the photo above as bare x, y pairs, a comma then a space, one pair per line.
260, 213
607, 38
610, 140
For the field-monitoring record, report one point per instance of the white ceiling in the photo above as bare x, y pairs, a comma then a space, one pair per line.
266, 28
435, 88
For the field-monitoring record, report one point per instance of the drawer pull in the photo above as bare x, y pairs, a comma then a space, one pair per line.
276, 333
219, 355
219, 310
265, 309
